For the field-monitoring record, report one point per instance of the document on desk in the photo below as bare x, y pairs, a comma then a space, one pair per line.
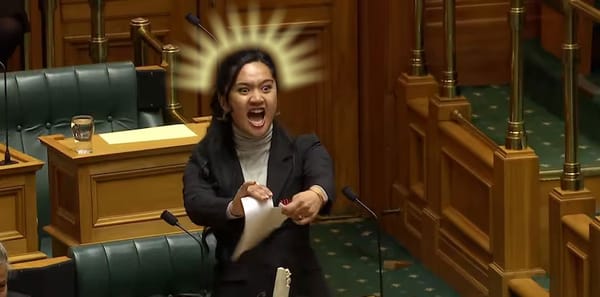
261, 218
148, 134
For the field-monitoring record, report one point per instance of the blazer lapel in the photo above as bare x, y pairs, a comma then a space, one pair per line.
231, 176
280, 163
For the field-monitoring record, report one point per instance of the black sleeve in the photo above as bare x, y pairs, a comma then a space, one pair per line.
317, 167
202, 204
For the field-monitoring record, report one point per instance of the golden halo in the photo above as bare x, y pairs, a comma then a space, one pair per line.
297, 64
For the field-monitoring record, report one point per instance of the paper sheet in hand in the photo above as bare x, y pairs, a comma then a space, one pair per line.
261, 219
148, 134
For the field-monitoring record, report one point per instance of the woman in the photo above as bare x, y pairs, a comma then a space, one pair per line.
246, 153
13, 26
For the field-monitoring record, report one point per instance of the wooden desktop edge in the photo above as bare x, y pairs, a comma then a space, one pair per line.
24, 161
40, 263
55, 142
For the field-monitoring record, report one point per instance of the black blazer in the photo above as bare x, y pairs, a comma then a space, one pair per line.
211, 180
15, 294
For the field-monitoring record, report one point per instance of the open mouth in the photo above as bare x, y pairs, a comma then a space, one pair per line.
256, 117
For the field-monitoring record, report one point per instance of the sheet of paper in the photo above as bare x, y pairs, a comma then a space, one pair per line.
283, 280
148, 134
261, 219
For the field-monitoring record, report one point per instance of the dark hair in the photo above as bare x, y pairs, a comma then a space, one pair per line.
228, 71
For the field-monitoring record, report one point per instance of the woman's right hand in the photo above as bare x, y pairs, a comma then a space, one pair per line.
249, 189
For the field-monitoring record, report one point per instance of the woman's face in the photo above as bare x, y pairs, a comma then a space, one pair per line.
253, 99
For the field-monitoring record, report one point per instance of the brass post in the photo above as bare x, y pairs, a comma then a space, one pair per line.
50, 7
136, 26
571, 179
170, 54
448, 80
418, 53
516, 139
98, 40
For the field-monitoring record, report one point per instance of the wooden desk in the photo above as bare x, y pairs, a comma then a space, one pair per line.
118, 191
18, 207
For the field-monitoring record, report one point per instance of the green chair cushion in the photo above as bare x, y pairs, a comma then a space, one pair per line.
155, 266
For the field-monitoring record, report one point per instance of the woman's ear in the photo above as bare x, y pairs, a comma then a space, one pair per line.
224, 104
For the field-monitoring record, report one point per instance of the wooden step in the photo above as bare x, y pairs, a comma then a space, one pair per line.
526, 287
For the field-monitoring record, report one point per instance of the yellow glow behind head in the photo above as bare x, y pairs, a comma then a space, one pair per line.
297, 64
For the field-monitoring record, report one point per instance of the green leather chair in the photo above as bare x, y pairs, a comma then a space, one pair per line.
42, 102
170, 265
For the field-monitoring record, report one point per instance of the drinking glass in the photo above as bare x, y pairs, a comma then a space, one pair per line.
83, 130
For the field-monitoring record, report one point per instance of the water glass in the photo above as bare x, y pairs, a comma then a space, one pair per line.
83, 130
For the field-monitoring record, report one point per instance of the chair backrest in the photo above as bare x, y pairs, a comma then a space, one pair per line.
42, 102
160, 265
46, 280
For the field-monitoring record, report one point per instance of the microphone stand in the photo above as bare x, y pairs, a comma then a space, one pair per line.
7, 160
354, 198
194, 20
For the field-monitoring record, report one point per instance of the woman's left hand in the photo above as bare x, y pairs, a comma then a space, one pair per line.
304, 207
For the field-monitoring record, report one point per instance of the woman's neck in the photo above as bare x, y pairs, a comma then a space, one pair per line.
246, 142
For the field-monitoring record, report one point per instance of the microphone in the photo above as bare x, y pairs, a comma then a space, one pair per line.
172, 220
194, 20
347, 191
7, 160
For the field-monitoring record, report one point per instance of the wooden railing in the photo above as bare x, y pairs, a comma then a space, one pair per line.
580, 263
470, 210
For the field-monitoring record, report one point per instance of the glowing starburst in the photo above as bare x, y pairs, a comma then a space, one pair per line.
297, 64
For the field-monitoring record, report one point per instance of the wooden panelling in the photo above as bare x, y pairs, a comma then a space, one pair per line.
482, 39
417, 161
18, 212
72, 25
71, 32
467, 196
466, 206
576, 256
564, 204
12, 222
546, 186
456, 267
384, 50
465, 183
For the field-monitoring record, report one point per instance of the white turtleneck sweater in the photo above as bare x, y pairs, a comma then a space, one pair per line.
253, 154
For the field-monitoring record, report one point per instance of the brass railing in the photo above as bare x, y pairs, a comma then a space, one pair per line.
417, 62
516, 138
98, 40
448, 79
571, 178
472, 129
142, 37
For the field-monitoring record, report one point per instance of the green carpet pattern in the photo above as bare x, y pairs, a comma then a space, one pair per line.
545, 131
348, 253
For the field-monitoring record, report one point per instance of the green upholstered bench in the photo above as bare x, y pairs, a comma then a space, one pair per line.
42, 102
170, 265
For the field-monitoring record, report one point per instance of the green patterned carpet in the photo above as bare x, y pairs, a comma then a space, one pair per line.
545, 131
348, 254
